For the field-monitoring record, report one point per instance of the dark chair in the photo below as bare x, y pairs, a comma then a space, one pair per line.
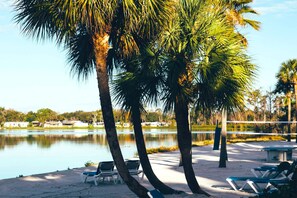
254, 183
239, 183
273, 171
133, 167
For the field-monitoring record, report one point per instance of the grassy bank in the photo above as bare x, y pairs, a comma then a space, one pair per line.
210, 142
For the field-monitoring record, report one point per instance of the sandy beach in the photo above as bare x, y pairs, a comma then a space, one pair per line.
242, 157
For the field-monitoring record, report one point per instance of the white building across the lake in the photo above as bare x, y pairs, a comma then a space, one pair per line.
16, 124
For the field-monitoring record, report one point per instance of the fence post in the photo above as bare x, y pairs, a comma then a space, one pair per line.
217, 137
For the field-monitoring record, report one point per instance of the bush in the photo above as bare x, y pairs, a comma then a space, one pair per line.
89, 163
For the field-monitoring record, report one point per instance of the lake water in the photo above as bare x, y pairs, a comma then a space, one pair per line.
27, 152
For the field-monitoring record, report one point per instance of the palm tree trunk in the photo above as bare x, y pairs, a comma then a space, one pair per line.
289, 118
145, 163
101, 47
295, 91
184, 138
223, 152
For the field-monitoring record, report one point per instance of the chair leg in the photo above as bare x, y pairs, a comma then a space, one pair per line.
142, 176
83, 178
254, 186
233, 184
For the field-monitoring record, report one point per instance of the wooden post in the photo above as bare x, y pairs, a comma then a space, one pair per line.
217, 137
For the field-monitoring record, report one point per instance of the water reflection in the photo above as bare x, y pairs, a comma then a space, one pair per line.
45, 139
41, 151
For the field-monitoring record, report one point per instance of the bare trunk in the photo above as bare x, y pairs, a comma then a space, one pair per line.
184, 138
145, 163
100, 50
223, 152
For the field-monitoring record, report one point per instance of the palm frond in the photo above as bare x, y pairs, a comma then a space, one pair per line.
81, 54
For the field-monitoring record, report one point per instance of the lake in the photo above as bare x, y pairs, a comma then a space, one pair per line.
27, 152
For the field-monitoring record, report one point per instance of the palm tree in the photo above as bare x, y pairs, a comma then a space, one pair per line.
86, 29
135, 86
235, 11
287, 84
225, 74
182, 41
204, 63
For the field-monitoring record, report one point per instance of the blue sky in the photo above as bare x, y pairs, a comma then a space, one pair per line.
35, 75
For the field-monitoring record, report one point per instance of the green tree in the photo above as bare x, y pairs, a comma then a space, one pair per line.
30, 116
287, 84
152, 116
14, 116
2, 115
46, 114
86, 29
134, 87
254, 100
235, 12
205, 63
181, 41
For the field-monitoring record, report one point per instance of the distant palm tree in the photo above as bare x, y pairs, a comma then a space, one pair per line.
287, 84
92, 32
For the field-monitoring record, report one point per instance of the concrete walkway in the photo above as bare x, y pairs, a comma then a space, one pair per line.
242, 157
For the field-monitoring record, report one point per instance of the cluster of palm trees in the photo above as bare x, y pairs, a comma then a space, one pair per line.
287, 85
179, 52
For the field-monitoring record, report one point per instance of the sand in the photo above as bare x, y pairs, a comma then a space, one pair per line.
241, 158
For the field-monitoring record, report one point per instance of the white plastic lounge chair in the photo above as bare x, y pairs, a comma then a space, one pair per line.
104, 170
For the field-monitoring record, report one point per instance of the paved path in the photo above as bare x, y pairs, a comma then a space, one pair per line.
242, 157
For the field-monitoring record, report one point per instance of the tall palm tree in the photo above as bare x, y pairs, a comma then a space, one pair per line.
86, 29
204, 63
182, 43
287, 84
225, 74
134, 87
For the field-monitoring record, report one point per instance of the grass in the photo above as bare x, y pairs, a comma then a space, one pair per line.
163, 149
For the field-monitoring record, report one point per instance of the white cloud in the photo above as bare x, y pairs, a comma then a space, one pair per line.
276, 7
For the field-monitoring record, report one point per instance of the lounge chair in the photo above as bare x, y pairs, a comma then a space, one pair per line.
155, 194
104, 170
273, 171
239, 183
133, 167
255, 183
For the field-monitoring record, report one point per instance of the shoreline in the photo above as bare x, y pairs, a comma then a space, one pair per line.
67, 183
